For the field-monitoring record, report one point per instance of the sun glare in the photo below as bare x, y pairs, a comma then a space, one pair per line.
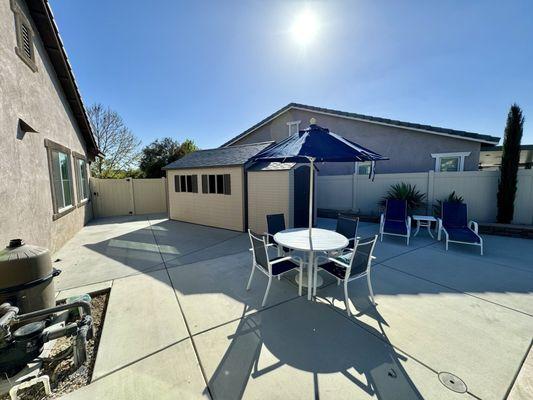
305, 28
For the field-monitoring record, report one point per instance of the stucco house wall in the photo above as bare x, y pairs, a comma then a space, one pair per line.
217, 210
26, 207
408, 150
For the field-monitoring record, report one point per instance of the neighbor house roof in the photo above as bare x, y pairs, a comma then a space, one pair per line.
220, 157
376, 120
44, 20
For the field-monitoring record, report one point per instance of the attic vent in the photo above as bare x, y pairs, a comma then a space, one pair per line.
26, 40
24, 31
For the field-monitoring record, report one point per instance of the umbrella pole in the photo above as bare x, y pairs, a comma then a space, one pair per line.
311, 172
311, 268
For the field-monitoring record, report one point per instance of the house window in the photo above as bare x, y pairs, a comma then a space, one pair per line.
216, 184
25, 48
294, 127
450, 162
81, 179
61, 178
364, 168
186, 183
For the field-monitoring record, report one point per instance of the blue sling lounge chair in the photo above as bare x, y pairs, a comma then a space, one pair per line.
456, 228
395, 221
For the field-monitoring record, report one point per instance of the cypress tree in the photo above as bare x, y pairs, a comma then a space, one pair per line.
509, 169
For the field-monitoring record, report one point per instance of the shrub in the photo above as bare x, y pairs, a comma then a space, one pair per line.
452, 198
405, 191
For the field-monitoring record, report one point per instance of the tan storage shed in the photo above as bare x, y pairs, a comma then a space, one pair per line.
278, 188
208, 187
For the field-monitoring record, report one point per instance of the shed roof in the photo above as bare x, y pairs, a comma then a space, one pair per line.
219, 157
44, 20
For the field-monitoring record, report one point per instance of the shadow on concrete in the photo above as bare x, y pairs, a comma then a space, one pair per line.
310, 337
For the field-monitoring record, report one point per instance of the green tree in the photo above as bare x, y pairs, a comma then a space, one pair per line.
510, 158
162, 152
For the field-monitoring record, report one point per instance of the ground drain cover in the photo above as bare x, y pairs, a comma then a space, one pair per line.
452, 382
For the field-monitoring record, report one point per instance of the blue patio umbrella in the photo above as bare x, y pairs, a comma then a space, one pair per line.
317, 144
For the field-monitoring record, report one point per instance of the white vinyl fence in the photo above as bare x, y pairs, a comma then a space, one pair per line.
478, 188
128, 196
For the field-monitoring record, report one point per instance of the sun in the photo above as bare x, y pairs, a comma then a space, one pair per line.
305, 28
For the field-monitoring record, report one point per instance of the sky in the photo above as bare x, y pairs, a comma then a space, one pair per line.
208, 70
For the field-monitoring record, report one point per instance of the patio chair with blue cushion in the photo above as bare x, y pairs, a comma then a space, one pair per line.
395, 221
453, 223
275, 224
271, 267
353, 264
347, 227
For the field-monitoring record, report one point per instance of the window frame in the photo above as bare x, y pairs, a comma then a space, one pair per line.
22, 20
363, 164
211, 184
77, 158
290, 124
186, 183
51, 147
459, 155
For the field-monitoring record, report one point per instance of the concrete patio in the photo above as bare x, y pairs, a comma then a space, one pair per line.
180, 323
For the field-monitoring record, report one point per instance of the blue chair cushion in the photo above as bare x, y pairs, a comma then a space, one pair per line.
334, 269
282, 266
454, 215
395, 227
396, 210
462, 235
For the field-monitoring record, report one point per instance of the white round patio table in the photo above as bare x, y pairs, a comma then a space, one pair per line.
320, 240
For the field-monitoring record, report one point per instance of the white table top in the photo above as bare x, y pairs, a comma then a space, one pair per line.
322, 239
424, 218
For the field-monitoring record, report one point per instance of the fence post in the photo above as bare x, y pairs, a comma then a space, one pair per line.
132, 194
430, 192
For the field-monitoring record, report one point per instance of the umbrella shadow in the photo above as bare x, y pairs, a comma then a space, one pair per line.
297, 338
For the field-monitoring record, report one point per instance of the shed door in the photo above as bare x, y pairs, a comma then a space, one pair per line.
301, 196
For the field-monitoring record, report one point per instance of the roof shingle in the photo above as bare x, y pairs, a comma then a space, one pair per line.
219, 157
427, 128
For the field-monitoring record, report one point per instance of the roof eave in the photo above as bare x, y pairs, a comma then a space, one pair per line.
43, 18
492, 140
202, 167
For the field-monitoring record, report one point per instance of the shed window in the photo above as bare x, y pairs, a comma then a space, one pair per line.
212, 184
216, 184
186, 183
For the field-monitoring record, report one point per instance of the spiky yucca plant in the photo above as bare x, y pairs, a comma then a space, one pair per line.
405, 191
452, 198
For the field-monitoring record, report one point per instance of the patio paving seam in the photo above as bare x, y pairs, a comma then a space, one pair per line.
163, 264
195, 251
492, 262
246, 315
138, 360
119, 277
457, 290
387, 342
508, 392
197, 356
